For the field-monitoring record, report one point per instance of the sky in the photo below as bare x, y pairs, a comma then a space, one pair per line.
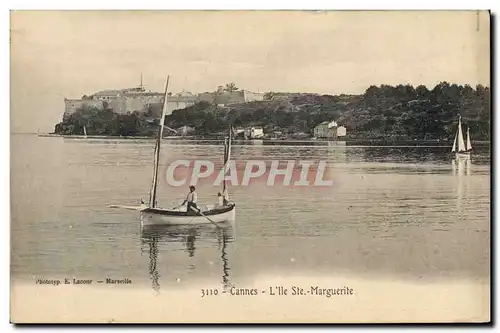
58, 54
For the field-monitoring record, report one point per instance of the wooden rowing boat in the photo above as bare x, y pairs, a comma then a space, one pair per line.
151, 214
157, 216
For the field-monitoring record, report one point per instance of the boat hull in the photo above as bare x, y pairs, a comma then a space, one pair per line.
170, 217
462, 155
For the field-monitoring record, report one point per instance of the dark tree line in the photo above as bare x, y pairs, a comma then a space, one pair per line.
105, 122
405, 111
385, 112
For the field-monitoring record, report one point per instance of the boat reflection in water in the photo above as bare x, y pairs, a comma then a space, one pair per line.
188, 236
461, 167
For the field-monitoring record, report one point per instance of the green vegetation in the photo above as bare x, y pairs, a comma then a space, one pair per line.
384, 112
106, 122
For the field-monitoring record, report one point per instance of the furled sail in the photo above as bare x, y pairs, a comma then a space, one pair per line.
227, 159
152, 194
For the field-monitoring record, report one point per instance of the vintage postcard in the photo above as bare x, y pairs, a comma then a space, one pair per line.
250, 166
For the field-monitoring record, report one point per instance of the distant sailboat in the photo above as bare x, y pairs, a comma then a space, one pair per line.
460, 148
84, 131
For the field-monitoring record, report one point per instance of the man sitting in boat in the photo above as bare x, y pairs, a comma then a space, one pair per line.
191, 199
219, 199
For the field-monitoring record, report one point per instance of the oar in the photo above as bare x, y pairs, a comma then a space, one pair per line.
192, 219
137, 208
199, 212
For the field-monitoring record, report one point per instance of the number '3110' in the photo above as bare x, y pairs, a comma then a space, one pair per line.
209, 292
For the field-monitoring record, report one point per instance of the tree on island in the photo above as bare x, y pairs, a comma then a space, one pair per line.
268, 96
230, 87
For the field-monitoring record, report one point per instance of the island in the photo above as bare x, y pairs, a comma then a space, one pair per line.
384, 112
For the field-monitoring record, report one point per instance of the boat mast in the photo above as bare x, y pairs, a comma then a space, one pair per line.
152, 194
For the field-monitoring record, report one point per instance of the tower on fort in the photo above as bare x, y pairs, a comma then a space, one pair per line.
141, 87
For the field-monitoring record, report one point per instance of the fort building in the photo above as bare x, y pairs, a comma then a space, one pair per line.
230, 97
128, 100
124, 101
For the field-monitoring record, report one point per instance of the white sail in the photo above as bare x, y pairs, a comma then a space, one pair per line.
461, 143
469, 145
84, 130
454, 143
152, 194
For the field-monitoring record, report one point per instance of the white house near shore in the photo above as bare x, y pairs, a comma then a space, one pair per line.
329, 130
341, 131
254, 132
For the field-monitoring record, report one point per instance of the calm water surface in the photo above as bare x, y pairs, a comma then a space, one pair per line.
401, 212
